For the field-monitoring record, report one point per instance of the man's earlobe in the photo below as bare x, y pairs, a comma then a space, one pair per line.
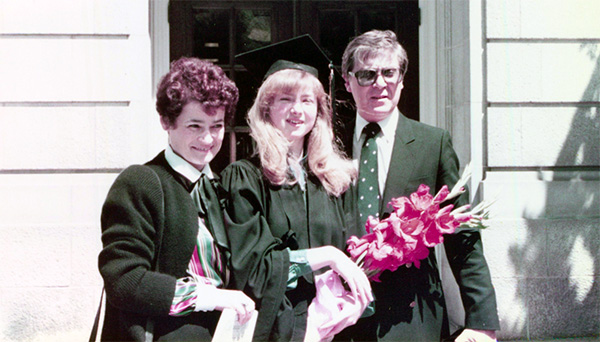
347, 84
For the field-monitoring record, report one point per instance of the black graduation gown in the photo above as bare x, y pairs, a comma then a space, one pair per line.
263, 220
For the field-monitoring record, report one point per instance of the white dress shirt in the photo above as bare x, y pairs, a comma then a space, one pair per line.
184, 168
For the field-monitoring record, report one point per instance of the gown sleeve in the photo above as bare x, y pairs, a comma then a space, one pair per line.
260, 267
299, 267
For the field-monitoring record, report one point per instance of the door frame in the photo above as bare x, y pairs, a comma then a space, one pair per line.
451, 73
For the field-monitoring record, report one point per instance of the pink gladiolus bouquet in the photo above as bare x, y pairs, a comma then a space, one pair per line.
416, 224
403, 238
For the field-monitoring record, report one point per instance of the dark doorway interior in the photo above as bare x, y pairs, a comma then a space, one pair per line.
218, 30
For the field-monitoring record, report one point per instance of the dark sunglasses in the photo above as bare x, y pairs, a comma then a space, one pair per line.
367, 77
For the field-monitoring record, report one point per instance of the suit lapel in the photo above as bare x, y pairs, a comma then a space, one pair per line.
402, 162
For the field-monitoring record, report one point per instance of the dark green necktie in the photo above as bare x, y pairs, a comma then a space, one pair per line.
368, 185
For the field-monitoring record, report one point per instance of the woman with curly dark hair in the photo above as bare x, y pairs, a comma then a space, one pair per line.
165, 258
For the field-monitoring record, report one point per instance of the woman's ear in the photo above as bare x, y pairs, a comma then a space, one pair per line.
164, 122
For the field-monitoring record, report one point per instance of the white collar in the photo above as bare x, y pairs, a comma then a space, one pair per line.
184, 168
388, 125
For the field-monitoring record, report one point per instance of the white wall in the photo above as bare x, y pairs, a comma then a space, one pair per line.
541, 134
75, 108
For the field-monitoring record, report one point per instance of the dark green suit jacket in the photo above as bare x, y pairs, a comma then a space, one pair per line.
410, 302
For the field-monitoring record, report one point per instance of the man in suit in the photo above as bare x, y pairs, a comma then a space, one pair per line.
410, 302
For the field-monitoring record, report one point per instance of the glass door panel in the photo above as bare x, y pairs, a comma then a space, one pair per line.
211, 34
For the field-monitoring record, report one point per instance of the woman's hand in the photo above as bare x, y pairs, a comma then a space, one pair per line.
236, 300
356, 279
338, 261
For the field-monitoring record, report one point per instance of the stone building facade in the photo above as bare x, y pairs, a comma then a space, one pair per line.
517, 82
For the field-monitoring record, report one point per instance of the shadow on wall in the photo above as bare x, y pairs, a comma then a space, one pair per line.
558, 266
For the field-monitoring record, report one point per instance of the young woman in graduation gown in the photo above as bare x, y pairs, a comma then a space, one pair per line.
285, 215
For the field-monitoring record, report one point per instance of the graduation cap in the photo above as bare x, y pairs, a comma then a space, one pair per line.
301, 53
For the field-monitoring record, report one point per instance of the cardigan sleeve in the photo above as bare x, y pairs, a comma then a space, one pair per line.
260, 268
132, 217
464, 249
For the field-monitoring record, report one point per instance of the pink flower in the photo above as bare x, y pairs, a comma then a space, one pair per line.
445, 222
421, 199
357, 246
406, 233
373, 225
416, 224
418, 254
441, 195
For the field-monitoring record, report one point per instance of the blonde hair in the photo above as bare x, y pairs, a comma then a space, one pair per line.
325, 161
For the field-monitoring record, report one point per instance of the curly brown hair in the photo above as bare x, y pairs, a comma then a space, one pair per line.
191, 78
